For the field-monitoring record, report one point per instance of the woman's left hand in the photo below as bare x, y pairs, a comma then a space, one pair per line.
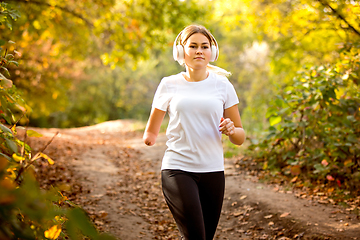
227, 126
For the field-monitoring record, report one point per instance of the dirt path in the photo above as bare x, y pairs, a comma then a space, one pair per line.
120, 179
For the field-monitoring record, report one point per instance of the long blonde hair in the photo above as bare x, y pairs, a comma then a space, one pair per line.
192, 29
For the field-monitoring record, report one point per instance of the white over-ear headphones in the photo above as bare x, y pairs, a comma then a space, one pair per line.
179, 55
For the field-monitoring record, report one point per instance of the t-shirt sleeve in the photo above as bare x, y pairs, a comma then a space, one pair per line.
231, 96
162, 96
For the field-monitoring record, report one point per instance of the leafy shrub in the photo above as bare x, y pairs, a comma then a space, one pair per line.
315, 126
26, 211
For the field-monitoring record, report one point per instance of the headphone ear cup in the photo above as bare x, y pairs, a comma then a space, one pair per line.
214, 53
180, 53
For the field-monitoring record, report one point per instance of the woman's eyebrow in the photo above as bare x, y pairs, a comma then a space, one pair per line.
204, 43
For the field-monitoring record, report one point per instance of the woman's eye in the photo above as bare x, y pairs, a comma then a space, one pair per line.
205, 47
192, 46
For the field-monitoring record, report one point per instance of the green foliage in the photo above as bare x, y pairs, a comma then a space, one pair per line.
306, 31
7, 14
60, 40
230, 149
111, 94
297, 33
26, 211
315, 125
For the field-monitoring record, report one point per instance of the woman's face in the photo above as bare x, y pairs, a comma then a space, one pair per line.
197, 51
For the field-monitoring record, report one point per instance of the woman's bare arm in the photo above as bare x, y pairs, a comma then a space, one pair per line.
232, 126
153, 126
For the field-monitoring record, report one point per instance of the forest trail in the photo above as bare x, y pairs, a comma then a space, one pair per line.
120, 189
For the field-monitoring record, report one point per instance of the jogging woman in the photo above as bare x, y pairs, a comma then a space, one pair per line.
202, 105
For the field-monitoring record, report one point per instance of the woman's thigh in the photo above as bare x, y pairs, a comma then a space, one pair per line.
211, 192
181, 193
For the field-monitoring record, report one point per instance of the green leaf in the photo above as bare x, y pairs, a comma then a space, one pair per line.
272, 129
32, 133
270, 135
14, 14
9, 56
278, 102
8, 24
2, 77
12, 145
352, 138
273, 120
351, 118
2, 42
271, 111
5, 129
14, 62
5, 69
79, 220
7, 157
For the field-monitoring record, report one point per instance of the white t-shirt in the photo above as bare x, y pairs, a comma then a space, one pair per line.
195, 110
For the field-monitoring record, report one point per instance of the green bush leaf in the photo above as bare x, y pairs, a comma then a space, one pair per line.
32, 133
273, 120
14, 62
5, 129
78, 218
12, 145
271, 111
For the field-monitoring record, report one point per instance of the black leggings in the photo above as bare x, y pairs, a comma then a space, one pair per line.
195, 201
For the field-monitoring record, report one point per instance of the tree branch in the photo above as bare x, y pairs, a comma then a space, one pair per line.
64, 9
339, 15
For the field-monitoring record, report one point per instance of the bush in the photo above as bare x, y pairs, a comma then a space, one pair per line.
315, 126
26, 211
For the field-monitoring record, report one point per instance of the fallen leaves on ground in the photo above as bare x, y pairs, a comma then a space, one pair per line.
136, 191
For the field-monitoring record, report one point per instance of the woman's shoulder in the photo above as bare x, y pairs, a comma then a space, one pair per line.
171, 82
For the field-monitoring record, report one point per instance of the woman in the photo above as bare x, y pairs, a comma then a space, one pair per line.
202, 105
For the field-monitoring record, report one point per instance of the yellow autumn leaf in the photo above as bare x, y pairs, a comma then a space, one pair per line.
18, 158
265, 166
348, 163
11, 173
37, 25
43, 155
53, 232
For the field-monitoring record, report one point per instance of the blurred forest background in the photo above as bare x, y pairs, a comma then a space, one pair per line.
295, 66
85, 62
68, 63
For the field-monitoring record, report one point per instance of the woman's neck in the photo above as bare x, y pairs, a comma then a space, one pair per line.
192, 75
